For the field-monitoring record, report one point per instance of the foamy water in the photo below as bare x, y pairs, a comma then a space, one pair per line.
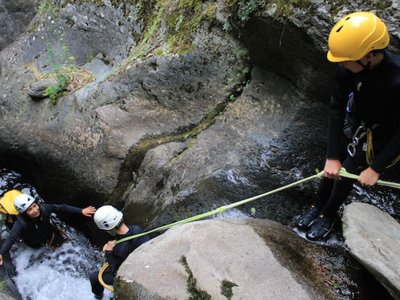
46, 274
62, 274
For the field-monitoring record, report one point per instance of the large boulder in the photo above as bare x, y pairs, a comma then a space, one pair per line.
373, 238
219, 259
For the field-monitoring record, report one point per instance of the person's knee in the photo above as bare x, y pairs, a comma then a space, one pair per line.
108, 278
93, 277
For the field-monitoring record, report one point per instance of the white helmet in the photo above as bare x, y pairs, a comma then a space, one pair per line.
107, 217
22, 202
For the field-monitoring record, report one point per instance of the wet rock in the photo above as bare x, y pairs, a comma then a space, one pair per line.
255, 259
373, 238
9, 290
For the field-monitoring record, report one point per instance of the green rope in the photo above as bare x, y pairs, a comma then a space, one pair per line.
344, 173
222, 209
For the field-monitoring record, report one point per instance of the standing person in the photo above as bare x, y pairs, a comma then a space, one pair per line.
33, 223
110, 219
366, 106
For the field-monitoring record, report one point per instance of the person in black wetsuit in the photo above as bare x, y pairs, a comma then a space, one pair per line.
110, 219
365, 107
33, 223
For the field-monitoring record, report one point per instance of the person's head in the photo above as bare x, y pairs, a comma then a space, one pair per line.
108, 218
357, 41
26, 204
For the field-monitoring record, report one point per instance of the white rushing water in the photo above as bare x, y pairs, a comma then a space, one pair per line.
62, 274
46, 274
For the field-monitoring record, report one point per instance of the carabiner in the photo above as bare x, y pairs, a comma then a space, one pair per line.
359, 129
351, 149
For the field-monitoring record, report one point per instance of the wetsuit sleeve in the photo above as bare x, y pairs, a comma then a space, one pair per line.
337, 113
14, 234
392, 149
57, 208
114, 261
122, 250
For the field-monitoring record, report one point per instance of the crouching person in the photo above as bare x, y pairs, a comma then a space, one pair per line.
111, 220
34, 225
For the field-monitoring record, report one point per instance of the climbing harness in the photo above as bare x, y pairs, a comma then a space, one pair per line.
368, 146
370, 156
100, 278
58, 237
358, 135
222, 209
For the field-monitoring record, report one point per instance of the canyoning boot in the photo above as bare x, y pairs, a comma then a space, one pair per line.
320, 228
307, 218
98, 296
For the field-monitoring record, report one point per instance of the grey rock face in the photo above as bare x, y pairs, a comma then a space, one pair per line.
260, 259
373, 237
15, 17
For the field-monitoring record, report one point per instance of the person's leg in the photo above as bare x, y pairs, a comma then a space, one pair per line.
97, 287
310, 214
58, 238
322, 196
342, 188
339, 192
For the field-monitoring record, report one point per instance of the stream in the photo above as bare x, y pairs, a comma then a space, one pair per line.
46, 274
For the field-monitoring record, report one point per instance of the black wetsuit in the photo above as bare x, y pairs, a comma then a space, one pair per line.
115, 258
376, 102
36, 232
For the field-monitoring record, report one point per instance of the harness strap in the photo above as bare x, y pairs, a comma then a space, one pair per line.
100, 278
49, 243
370, 156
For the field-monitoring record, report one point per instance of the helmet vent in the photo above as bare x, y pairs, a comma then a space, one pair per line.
340, 28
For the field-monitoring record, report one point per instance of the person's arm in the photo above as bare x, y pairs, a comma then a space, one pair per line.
109, 246
392, 149
88, 211
388, 154
114, 261
337, 114
56, 208
332, 168
10, 240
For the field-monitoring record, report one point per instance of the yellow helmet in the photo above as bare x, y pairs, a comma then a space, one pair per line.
355, 35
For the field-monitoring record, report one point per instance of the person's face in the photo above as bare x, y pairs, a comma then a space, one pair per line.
33, 211
358, 66
352, 66
112, 232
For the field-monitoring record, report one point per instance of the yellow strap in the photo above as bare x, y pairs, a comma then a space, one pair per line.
370, 156
370, 147
100, 278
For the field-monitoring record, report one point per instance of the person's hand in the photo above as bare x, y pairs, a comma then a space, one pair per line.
332, 168
88, 211
1, 260
109, 246
368, 177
